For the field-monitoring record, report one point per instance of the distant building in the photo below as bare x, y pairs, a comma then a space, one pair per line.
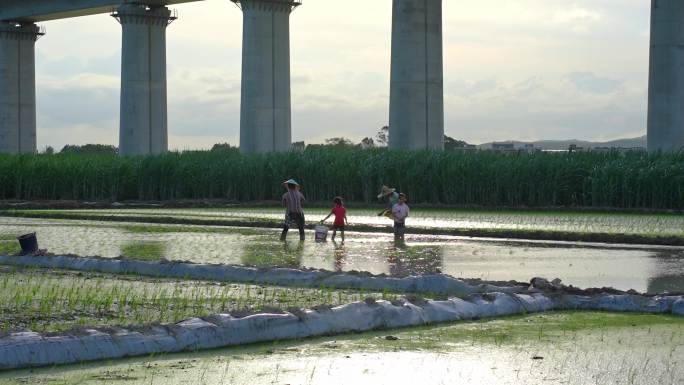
621, 150
298, 146
603, 149
503, 146
635, 149
465, 148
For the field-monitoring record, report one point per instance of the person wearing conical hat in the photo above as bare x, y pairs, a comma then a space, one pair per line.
392, 197
294, 214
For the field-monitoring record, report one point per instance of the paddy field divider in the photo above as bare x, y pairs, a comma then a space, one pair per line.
29, 349
464, 302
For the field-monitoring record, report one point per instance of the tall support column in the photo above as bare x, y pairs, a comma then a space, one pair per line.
143, 115
666, 77
265, 111
416, 86
18, 87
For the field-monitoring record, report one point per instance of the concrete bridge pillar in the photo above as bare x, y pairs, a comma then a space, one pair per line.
18, 87
416, 82
265, 111
666, 76
143, 115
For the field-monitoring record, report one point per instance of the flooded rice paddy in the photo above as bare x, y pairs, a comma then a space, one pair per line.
554, 348
645, 269
575, 222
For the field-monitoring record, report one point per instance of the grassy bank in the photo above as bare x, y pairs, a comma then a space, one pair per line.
632, 180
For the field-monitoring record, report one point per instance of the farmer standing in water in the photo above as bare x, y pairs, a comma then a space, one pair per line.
392, 197
292, 201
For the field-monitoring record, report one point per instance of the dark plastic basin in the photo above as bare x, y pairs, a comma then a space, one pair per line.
28, 243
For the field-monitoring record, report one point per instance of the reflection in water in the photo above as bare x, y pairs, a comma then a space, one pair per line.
407, 260
400, 258
340, 254
672, 284
668, 274
281, 254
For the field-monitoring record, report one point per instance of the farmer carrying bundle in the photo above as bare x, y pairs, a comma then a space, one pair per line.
392, 198
294, 214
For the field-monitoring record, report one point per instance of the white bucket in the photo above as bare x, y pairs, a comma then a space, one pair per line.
321, 233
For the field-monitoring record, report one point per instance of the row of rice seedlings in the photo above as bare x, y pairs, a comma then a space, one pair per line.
593, 179
43, 302
8, 244
574, 222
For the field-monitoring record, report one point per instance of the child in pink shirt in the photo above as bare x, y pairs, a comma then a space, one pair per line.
340, 213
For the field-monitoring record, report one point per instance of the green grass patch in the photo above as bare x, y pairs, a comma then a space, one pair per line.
9, 244
144, 250
8, 237
9, 247
273, 254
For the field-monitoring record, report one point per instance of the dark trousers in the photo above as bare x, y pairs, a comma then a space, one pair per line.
293, 218
399, 230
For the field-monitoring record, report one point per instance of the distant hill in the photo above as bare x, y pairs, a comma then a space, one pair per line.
564, 144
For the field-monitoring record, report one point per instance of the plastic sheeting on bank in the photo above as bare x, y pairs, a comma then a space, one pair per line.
435, 284
21, 350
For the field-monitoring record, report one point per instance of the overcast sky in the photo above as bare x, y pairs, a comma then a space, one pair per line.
513, 69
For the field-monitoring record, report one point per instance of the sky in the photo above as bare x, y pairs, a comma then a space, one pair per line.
513, 69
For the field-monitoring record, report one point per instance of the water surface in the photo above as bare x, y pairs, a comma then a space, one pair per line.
583, 265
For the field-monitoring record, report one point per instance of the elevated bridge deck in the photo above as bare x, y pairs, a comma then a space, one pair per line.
44, 10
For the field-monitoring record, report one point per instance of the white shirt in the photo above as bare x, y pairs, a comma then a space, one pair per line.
400, 211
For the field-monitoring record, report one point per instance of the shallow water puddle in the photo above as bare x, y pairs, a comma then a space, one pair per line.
622, 267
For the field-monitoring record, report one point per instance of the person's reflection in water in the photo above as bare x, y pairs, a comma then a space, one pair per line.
395, 251
668, 275
340, 255
407, 260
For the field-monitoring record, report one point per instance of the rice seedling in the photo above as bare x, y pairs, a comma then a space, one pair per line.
9, 247
144, 250
261, 254
622, 180
41, 300
9, 244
